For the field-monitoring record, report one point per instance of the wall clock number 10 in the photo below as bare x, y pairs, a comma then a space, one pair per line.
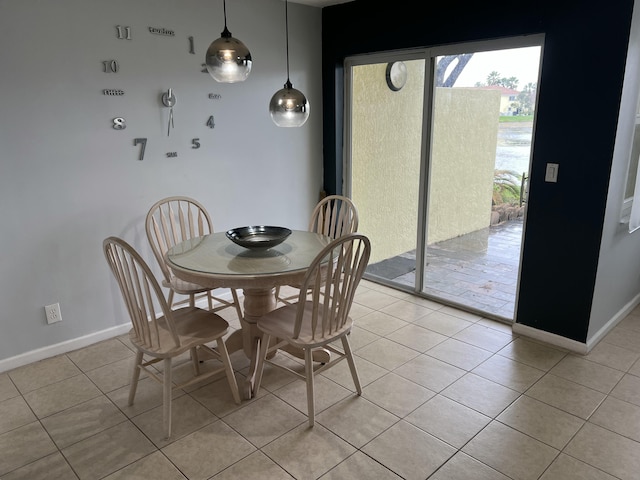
110, 66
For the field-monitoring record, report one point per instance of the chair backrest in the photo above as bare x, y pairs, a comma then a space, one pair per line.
173, 220
327, 292
334, 216
142, 296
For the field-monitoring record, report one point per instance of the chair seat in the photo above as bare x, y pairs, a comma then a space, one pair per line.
279, 323
194, 326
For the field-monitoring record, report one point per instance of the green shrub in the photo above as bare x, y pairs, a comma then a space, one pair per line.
506, 187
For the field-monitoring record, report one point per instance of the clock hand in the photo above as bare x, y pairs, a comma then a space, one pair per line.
169, 100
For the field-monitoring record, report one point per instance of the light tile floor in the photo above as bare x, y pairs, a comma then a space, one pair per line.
447, 395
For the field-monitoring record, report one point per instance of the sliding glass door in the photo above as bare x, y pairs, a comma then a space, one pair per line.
438, 146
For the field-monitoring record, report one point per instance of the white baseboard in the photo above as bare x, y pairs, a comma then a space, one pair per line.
80, 342
63, 347
573, 345
617, 318
550, 338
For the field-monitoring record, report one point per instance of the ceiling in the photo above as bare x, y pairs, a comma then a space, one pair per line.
320, 3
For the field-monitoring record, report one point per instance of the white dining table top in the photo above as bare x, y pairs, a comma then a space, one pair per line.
216, 255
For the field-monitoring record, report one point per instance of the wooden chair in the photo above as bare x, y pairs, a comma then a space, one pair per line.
160, 333
333, 216
320, 318
171, 221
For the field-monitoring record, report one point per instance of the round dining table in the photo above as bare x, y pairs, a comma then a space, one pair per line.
215, 261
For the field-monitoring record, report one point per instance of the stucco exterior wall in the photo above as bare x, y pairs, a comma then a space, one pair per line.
386, 136
386, 151
465, 137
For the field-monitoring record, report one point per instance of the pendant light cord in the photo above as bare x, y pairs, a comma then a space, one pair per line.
225, 33
286, 23
224, 9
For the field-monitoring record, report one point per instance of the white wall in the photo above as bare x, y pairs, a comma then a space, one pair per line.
618, 276
68, 179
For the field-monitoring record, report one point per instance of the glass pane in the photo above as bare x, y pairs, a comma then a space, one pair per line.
385, 163
482, 125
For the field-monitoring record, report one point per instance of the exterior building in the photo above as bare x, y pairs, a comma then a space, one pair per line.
508, 99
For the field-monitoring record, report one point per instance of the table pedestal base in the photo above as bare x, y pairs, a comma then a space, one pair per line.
258, 302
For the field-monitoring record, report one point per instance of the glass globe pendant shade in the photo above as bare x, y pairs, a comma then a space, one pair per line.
228, 60
289, 107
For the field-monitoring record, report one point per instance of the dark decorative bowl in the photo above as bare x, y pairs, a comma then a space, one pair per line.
258, 237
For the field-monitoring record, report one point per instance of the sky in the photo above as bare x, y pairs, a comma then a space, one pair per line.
522, 63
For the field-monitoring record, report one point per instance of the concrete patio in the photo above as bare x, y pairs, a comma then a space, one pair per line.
477, 271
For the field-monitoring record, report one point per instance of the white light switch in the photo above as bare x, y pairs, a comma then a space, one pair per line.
551, 174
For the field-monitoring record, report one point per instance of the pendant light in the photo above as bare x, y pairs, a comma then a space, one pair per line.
288, 107
228, 60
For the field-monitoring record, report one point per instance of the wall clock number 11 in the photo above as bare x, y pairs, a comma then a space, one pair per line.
126, 35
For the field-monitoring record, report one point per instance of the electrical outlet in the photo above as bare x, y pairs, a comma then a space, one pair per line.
53, 313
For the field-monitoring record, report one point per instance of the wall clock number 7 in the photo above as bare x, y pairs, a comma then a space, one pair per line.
143, 142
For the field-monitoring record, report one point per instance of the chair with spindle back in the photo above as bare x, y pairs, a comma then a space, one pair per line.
321, 315
161, 334
333, 216
171, 221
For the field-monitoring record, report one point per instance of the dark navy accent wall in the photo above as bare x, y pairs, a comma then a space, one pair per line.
579, 95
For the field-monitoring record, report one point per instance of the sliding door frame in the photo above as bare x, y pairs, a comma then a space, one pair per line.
429, 55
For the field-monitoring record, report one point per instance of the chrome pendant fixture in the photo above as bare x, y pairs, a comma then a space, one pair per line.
288, 107
228, 60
